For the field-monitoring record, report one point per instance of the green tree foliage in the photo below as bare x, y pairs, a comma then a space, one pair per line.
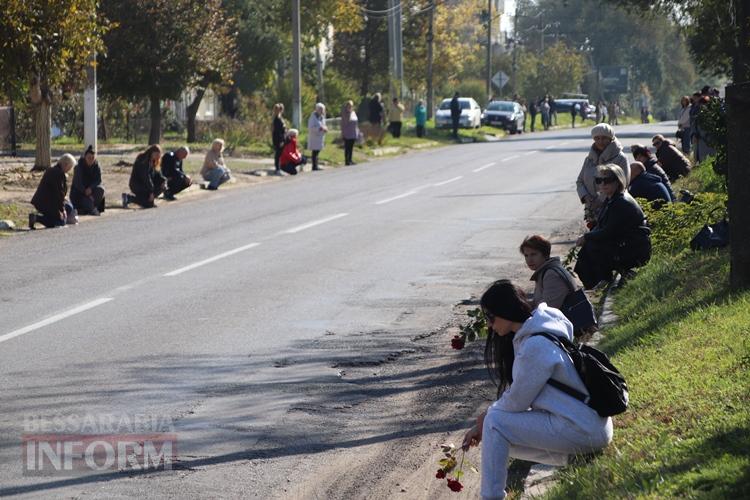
158, 48
559, 69
651, 46
44, 45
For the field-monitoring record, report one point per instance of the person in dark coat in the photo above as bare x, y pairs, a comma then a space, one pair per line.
455, 114
621, 239
146, 182
642, 154
278, 135
645, 185
49, 198
675, 163
533, 110
86, 190
376, 117
171, 168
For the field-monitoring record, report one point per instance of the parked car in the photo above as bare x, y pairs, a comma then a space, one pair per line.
471, 114
506, 114
564, 106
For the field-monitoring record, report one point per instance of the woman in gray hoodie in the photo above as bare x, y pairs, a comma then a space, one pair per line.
606, 149
531, 420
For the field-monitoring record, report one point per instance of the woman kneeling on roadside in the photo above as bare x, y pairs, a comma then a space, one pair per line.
531, 420
552, 281
621, 239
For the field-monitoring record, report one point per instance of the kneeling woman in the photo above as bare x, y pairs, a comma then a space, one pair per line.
621, 239
531, 420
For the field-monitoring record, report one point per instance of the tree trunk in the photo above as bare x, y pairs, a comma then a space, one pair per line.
103, 132
40, 101
154, 135
738, 178
430, 39
192, 110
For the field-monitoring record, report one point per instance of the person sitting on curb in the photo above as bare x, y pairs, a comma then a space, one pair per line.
291, 158
49, 197
214, 169
642, 154
86, 190
621, 239
171, 168
605, 149
645, 185
675, 163
146, 182
552, 281
531, 419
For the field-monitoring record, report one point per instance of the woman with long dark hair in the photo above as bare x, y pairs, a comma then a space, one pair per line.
531, 420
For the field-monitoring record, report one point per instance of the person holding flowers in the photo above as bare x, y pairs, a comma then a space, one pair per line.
531, 419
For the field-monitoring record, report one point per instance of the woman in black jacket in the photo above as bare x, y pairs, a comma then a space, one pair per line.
146, 181
278, 134
621, 239
87, 191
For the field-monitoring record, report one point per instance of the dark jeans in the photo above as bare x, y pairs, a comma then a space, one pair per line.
142, 197
86, 204
686, 140
455, 125
177, 183
315, 160
291, 168
396, 129
50, 220
277, 157
348, 151
598, 260
533, 119
420, 130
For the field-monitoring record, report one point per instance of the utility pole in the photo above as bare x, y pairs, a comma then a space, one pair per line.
399, 52
430, 37
89, 105
296, 67
489, 49
515, 49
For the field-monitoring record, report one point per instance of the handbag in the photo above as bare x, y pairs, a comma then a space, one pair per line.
712, 235
577, 307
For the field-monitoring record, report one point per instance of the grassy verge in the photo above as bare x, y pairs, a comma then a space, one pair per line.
683, 344
15, 212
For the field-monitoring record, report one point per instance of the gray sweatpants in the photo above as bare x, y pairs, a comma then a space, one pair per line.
536, 436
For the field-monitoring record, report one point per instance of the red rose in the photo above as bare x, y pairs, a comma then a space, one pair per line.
440, 474
458, 341
455, 485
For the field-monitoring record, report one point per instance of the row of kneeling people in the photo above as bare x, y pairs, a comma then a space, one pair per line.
543, 411
153, 174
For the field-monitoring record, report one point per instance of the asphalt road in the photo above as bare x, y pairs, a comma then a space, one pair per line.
192, 311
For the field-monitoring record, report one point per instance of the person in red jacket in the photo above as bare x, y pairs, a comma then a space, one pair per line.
291, 157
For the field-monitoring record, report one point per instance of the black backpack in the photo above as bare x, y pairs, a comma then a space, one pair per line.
608, 391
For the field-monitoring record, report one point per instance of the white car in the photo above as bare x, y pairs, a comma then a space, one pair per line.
471, 114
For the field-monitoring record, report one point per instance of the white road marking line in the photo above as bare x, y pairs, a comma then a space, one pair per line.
550, 146
55, 318
448, 181
510, 158
314, 223
397, 197
564, 143
212, 259
530, 153
483, 167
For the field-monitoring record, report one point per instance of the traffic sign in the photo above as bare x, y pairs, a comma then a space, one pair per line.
500, 79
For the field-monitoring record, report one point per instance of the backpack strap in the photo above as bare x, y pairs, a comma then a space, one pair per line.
564, 276
554, 383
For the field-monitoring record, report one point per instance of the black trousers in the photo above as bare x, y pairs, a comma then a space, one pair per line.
315, 159
348, 151
455, 126
420, 130
277, 156
86, 204
142, 197
178, 183
396, 129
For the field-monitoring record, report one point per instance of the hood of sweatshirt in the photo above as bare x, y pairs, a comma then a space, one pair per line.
544, 319
610, 153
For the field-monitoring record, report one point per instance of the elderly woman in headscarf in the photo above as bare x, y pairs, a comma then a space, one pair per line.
605, 149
